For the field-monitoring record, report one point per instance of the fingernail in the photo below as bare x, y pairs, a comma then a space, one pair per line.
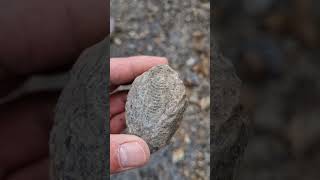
132, 155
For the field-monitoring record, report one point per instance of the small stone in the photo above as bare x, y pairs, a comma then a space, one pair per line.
111, 24
187, 139
194, 98
117, 41
155, 106
191, 61
177, 155
150, 48
191, 79
133, 34
205, 103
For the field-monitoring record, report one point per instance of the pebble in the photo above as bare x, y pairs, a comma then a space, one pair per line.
191, 79
117, 41
191, 61
177, 155
205, 103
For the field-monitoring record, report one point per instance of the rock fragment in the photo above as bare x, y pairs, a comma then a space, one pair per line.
80, 134
229, 123
155, 106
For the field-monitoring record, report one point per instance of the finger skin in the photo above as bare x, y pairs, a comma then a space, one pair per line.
118, 123
118, 102
117, 112
9, 81
38, 170
25, 124
125, 70
115, 141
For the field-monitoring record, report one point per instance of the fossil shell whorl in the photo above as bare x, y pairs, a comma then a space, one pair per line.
155, 106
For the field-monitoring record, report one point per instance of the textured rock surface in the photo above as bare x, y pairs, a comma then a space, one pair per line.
155, 105
229, 125
171, 29
79, 138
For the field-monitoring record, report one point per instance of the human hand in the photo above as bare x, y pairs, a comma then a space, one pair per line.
126, 151
38, 36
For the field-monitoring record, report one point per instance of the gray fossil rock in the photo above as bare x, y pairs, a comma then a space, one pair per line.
79, 140
155, 106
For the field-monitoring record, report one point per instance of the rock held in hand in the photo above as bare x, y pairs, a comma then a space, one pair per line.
155, 106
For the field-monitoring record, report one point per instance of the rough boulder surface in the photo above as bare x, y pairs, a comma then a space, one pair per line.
229, 123
155, 106
80, 135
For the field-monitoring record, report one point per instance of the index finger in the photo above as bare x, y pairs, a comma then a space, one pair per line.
125, 70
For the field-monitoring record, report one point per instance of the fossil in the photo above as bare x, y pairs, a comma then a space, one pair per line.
155, 106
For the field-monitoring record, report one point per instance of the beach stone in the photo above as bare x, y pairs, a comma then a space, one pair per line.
155, 106
79, 139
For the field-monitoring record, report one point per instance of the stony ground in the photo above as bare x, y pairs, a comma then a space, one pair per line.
178, 30
274, 46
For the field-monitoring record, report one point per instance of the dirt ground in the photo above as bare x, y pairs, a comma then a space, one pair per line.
274, 46
178, 30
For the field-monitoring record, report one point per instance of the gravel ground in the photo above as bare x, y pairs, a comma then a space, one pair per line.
178, 30
274, 46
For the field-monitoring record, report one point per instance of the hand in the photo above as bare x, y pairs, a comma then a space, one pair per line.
38, 36
126, 151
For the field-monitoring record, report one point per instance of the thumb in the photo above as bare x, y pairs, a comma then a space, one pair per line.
127, 152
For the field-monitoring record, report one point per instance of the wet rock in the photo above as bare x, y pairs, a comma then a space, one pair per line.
155, 105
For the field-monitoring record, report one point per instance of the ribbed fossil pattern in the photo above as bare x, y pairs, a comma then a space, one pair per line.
155, 104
